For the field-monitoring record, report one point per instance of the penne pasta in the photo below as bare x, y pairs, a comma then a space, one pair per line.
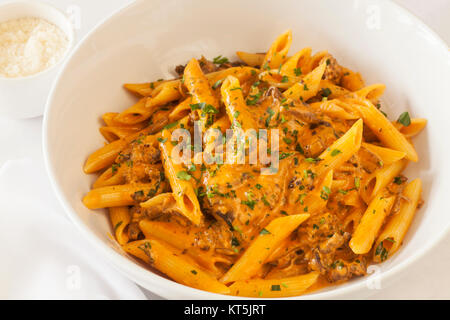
274, 288
261, 248
371, 222
172, 263
308, 87
378, 180
278, 51
384, 129
182, 188
120, 219
391, 237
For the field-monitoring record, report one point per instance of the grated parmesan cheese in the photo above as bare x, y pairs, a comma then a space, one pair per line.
30, 45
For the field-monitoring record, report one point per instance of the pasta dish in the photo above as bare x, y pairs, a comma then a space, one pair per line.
267, 177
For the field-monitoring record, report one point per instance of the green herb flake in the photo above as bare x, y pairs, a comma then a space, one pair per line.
220, 60
183, 175
275, 287
404, 119
335, 152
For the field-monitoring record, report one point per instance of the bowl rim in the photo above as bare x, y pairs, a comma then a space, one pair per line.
70, 35
133, 270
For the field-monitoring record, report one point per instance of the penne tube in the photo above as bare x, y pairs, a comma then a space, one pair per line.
261, 248
277, 53
121, 195
112, 176
416, 126
371, 222
379, 179
115, 133
120, 218
333, 109
309, 87
296, 65
384, 129
142, 89
387, 156
316, 59
174, 264
201, 93
176, 236
164, 93
136, 113
372, 92
351, 81
110, 120
332, 90
237, 110
274, 288
106, 155
391, 237
181, 110
341, 150
182, 188
251, 59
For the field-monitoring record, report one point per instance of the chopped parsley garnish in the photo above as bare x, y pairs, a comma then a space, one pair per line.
325, 92
264, 231
357, 182
117, 225
298, 148
298, 71
335, 152
183, 175
162, 140
254, 99
275, 287
325, 193
398, 180
249, 203
220, 60
217, 84
284, 79
271, 114
114, 167
284, 155
381, 251
404, 119
171, 125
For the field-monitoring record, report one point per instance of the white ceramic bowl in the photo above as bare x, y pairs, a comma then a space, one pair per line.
148, 38
25, 97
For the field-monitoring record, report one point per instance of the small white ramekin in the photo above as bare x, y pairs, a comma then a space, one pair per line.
25, 97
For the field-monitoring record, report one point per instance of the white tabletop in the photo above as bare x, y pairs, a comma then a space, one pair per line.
427, 279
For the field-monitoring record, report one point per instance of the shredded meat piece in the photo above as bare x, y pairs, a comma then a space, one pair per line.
206, 65
273, 92
333, 71
145, 153
180, 69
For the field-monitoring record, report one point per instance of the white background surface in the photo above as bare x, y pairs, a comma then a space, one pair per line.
20, 140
